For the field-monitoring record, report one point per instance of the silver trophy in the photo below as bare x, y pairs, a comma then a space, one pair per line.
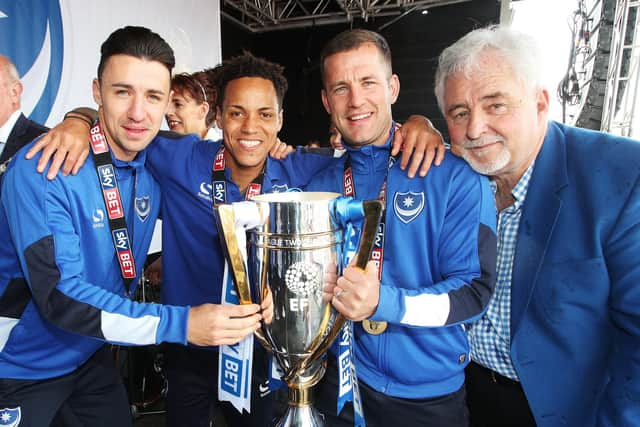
288, 247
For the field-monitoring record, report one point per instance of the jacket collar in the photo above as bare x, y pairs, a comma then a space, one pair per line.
540, 213
371, 158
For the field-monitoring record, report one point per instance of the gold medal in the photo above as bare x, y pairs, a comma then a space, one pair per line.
374, 327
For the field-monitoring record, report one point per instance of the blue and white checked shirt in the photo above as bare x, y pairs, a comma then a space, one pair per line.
490, 337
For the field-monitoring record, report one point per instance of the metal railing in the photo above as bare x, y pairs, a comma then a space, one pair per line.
623, 77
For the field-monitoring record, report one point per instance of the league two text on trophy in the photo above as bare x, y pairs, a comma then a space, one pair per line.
295, 246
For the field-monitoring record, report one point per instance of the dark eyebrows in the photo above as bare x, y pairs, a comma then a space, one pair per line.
241, 107
130, 87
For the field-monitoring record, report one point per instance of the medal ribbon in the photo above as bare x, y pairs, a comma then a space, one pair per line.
122, 244
235, 364
347, 377
219, 181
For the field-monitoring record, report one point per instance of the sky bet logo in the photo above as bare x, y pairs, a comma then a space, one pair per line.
219, 192
123, 248
232, 373
378, 249
110, 191
218, 163
98, 141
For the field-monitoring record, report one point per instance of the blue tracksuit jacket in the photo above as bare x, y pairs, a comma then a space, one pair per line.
73, 297
438, 271
193, 261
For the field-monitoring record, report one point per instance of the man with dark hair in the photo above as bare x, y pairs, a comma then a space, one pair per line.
433, 266
136, 42
247, 65
79, 242
250, 115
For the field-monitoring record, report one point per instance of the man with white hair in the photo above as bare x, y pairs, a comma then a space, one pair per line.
15, 129
560, 341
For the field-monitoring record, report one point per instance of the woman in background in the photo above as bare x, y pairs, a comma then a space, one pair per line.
192, 106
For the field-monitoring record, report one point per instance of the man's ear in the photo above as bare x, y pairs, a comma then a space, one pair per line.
96, 92
169, 98
325, 102
280, 119
16, 90
542, 104
394, 86
543, 100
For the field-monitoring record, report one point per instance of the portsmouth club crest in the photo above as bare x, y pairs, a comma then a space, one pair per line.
143, 207
10, 417
279, 188
408, 205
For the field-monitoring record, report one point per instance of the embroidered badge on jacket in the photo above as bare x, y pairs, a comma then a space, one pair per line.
143, 207
408, 205
10, 417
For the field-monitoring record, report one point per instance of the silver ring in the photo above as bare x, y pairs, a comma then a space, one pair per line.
340, 292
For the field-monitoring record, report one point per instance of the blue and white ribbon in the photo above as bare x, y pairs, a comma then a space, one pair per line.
348, 390
275, 374
236, 361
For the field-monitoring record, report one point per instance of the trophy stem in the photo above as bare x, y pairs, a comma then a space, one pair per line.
300, 396
300, 412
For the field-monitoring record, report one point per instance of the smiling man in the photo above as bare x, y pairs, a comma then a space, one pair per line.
560, 341
79, 243
250, 114
433, 267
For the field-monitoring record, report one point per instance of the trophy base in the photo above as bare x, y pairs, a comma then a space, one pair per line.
300, 412
301, 416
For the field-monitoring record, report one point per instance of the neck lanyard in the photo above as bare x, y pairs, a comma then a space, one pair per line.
219, 181
115, 209
349, 189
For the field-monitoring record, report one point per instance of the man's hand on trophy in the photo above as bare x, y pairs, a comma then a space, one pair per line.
66, 145
330, 282
357, 292
217, 324
267, 306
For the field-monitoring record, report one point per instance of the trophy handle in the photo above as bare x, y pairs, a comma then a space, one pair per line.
372, 215
352, 210
226, 221
227, 227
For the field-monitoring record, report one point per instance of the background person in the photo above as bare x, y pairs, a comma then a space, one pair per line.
15, 129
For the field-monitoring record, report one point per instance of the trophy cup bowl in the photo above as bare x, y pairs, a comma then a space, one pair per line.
295, 245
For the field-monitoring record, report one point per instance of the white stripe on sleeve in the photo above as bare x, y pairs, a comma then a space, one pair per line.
6, 325
426, 310
138, 331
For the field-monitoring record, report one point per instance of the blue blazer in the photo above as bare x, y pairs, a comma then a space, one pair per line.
575, 302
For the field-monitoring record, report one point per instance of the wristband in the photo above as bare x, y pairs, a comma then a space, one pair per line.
73, 115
